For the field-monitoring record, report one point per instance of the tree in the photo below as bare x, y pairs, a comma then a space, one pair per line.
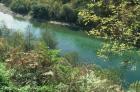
40, 11
68, 14
118, 20
20, 6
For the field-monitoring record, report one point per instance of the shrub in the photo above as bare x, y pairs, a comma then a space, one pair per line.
91, 83
134, 87
54, 10
65, 1
72, 58
3, 49
4, 35
21, 6
29, 40
16, 40
30, 68
40, 11
34, 66
4, 77
49, 40
7, 2
68, 14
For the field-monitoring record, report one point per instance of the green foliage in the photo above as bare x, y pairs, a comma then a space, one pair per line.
48, 88
134, 87
4, 35
42, 69
34, 67
72, 58
49, 40
39, 68
55, 9
3, 49
65, 1
7, 2
21, 6
10, 40
16, 40
62, 10
52, 10
40, 11
29, 40
95, 80
118, 20
113, 48
5, 75
68, 14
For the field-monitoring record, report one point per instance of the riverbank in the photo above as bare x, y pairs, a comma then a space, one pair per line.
60, 23
7, 10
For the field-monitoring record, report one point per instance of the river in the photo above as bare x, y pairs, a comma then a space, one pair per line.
76, 41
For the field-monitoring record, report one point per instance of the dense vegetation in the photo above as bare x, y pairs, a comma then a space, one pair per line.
116, 20
62, 10
28, 64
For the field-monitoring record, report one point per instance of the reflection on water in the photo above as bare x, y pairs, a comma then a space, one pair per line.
71, 40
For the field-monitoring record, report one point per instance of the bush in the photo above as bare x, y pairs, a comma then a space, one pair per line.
72, 58
7, 2
68, 14
134, 87
40, 11
34, 66
4, 77
3, 49
54, 10
4, 35
65, 1
21, 6
49, 40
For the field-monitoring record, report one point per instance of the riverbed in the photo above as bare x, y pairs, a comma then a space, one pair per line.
74, 40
